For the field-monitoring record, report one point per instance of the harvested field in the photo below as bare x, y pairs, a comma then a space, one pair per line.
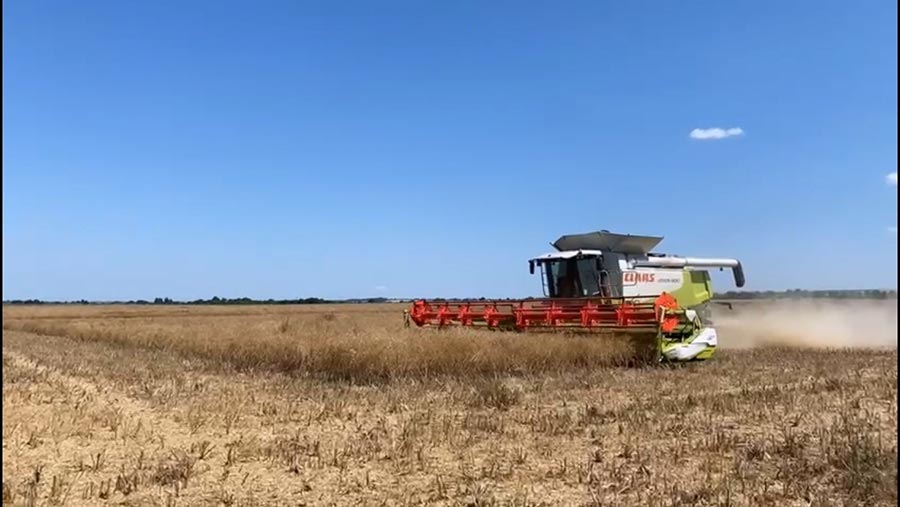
339, 405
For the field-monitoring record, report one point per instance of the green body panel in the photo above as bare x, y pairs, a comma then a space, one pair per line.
706, 354
697, 289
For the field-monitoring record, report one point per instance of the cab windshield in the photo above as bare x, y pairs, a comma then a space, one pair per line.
572, 278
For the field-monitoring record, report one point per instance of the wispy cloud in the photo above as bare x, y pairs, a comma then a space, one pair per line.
380, 288
892, 229
715, 133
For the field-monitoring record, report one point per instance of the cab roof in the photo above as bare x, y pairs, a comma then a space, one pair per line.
607, 241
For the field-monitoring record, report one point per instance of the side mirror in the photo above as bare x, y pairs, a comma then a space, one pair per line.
531, 267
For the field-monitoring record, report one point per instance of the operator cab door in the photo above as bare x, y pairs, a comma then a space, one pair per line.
576, 278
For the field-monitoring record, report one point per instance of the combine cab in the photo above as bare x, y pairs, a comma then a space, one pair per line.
605, 282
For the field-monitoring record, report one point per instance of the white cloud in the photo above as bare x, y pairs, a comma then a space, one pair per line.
716, 133
892, 178
892, 229
380, 288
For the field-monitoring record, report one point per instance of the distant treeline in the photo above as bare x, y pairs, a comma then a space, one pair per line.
213, 301
807, 294
768, 294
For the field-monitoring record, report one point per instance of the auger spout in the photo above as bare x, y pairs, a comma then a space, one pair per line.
697, 262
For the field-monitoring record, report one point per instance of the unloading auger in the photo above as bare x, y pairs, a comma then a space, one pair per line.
604, 282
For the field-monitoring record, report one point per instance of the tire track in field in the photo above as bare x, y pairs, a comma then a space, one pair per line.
255, 479
162, 426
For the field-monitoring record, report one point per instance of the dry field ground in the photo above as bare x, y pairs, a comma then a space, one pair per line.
339, 405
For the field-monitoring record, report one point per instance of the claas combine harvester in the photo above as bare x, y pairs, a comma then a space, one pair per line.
605, 282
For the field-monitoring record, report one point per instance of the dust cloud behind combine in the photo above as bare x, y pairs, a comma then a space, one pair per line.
826, 323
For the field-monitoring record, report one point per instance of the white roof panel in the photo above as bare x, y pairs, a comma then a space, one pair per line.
568, 254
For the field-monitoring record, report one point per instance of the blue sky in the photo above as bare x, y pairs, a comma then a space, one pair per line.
344, 149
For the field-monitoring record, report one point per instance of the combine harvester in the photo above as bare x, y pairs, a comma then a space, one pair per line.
605, 282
